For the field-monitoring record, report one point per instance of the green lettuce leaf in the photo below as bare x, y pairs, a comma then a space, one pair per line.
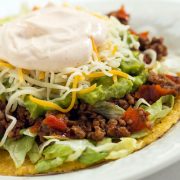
34, 154
108, 110
125, 147
46, 165
27, 132
18, 149
160, 108
90, 156
34, 109
140, 134
84, 151
37, 110
57, 150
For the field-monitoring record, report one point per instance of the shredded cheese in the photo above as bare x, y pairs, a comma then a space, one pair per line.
20, 75
3, 64
41, 75
113, 72
95, 75
42, 86
115, 78
115, 49
119, 73
55, 106
87, 90
94, 47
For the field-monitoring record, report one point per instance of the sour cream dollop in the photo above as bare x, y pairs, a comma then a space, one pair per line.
51, 39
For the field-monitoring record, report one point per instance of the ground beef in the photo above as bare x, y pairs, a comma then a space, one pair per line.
157, 44
87, 124
82, 122
3, 122
117, 128
147, 59
164, 81
126, 102
121, 15
23, 121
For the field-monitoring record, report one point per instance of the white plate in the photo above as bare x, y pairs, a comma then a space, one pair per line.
161, 17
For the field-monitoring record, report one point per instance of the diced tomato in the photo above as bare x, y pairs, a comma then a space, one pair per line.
35, 128
152, 93
122, 13
138, 117
132, 31
144, 35
55, 123
175, 79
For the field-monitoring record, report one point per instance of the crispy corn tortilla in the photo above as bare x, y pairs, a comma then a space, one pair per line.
7, 166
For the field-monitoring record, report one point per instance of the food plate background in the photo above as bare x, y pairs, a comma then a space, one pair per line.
160, 17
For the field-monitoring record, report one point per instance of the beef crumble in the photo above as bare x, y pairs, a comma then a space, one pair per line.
157, 44
165, 82
82, 122
121, 15
89, 125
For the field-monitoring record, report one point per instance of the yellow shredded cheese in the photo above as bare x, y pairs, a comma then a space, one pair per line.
87, 90
41, 75
115, 49
20, 75
100, 16
95, 75
94, 47
55, 106
119, 73
113, 72
115, 78
7, 65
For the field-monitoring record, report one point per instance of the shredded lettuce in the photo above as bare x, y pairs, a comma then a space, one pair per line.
109, 110
34, 109
34, 154
140, 134
27, 132
84, 151
160, 108
18, 149
45, 165
141, 102
57, 150
90, 156
125, 147
37, 110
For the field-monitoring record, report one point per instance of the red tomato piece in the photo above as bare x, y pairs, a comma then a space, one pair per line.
122, 13
144, 35
175, 79
55, 123
152, 93
138, 117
